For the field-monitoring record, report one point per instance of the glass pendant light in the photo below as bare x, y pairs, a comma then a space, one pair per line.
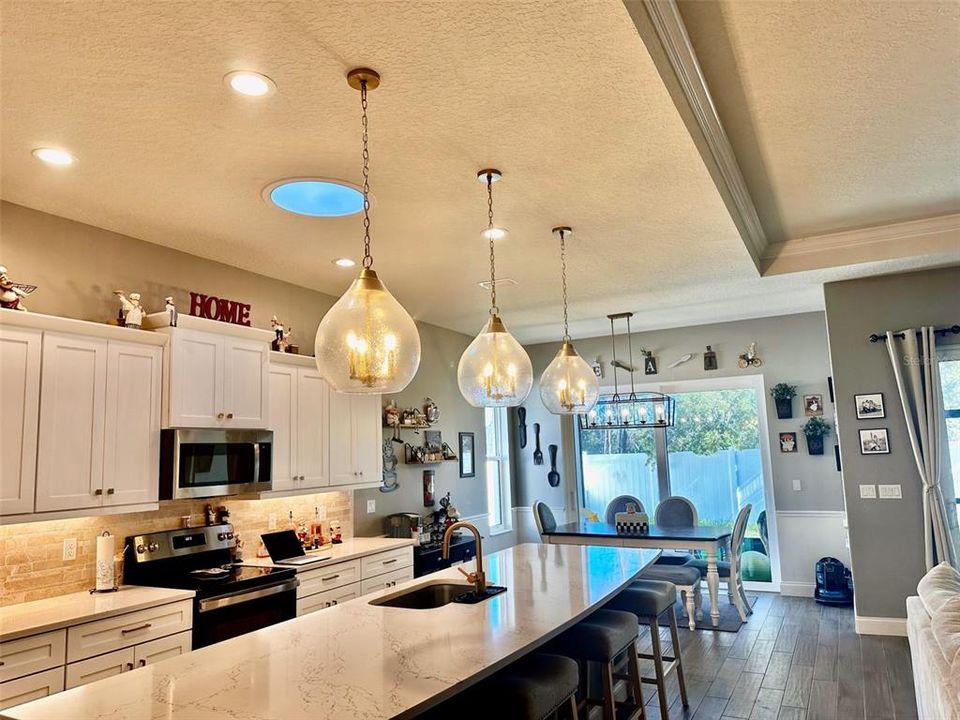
568, 386
367, 343
494, 370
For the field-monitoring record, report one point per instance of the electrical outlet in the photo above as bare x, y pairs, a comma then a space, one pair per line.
796, 485
371, 506
69, 548
868, 491
272, 522
890, 492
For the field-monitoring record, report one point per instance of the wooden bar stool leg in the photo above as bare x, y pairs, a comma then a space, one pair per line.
636, 684
658, 666
574, 715
609, 707
675, 639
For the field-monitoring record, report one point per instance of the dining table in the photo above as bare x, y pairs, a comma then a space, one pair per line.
707, 538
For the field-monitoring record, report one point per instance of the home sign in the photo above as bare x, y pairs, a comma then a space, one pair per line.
211, 307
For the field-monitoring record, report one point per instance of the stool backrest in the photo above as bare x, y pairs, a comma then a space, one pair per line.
619, 505
739, 532
676, 512
543, 517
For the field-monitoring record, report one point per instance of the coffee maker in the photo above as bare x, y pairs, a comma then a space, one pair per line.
407, 525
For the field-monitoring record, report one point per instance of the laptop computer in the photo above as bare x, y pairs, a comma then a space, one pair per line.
285, 549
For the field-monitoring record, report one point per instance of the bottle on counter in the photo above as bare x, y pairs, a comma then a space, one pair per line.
316, 529
209, 515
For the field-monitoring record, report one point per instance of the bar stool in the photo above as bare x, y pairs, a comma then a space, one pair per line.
603, 638
651, 601
535, 687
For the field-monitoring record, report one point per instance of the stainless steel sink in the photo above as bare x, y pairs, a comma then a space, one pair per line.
425, 597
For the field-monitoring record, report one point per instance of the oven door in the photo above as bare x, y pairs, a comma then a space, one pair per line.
226, 616
214, 463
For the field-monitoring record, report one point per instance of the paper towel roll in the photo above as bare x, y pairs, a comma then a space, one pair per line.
105, 549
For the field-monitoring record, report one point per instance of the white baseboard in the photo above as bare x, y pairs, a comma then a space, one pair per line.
797, 589
881, 626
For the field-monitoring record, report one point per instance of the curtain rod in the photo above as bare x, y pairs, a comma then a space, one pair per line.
955, 329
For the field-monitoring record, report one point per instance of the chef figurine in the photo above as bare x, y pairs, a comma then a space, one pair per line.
278, 334
11, 293
171, 311
132, 311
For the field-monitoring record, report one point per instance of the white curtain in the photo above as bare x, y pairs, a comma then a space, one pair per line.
914, 361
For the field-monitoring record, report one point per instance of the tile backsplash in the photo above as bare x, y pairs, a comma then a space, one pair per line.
32, 553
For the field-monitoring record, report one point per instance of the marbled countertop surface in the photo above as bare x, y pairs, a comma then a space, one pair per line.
358, 660
62, 611
347, 550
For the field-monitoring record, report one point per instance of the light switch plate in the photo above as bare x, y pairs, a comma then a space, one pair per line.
796, 485
69, 548
868, 491
371, 506
890, 492
272, 522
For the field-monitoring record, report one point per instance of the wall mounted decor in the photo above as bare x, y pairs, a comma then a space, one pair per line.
710, 359
788, 442
649, 362
537, 452
749, 357
830, 388
687, 357
429, 488
11, 293
783, 395
815, 429
467, 460
210, 307
874, 441
812, 405
389, 482
870, 406
522, 426
553, 477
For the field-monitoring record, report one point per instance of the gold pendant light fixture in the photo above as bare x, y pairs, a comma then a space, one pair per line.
568, 386
367, 343
494, 370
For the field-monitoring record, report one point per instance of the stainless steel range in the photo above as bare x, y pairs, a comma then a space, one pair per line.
231, 599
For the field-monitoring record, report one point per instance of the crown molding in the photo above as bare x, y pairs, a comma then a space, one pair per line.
663, 32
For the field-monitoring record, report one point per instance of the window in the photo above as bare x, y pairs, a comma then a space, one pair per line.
950, 384
497, 469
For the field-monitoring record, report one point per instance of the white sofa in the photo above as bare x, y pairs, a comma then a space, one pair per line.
933, 628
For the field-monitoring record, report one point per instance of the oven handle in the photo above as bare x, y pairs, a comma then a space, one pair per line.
225, 600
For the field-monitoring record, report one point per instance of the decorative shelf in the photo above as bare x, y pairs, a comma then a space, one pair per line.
407, 426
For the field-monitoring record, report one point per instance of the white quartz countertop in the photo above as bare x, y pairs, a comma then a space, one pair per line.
347, 550
62, 611
358, 660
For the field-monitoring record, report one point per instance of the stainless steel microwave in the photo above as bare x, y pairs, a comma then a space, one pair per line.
211, 463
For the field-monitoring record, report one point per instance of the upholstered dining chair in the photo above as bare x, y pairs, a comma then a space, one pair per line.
543, 517
619, 505
730, 570
675, 511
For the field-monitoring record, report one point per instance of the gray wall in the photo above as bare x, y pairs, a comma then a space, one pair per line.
886, 536
793, 349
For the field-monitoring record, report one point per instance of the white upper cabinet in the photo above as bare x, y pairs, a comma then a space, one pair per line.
283, 422
299, 418
313, 422
20, 396
196, 366
246, 382
355, 439
367, 431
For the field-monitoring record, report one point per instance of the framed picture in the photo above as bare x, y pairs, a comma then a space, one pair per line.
874, 441
788, 442
869, 406
468, 466
812, 405
432, 440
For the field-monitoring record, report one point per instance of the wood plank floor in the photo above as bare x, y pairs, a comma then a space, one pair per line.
793, 660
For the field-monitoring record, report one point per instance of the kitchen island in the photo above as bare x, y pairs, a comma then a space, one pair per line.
359, 660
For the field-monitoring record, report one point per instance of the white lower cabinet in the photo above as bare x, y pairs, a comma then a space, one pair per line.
387, 580
99, 667
32, 654
326, 599
31, 687
102, 636
156, 650
334, 584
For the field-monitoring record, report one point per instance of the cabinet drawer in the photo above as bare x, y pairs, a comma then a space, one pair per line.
31, 687
102, 636
100, 667
386, 561
32, 654
157, 650
386, 580
327, 599
328, 578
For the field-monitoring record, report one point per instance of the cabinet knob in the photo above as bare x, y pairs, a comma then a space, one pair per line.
110, 491
98, 491
333, 602
143, 662
129, 666
229, 416
219, 416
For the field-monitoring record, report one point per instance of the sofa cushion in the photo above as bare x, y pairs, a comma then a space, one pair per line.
945, 624
939, 585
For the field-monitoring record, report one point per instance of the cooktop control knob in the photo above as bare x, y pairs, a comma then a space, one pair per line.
229, 536
141, 549
221, 536
153, 547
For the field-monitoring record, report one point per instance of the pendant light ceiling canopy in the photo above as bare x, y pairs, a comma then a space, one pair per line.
494, 370
367, 343
568, 386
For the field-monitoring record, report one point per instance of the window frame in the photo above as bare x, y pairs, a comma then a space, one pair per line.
501, 425
948, 352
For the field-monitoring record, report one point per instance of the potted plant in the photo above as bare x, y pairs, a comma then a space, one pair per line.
815, 429
783, 395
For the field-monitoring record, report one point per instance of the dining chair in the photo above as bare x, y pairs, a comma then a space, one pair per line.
730, 570
619, 505
543, 517
675, 511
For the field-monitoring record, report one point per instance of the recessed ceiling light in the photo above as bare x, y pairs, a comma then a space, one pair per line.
494, 233
344, 262
250, 83
53, 156
315, 197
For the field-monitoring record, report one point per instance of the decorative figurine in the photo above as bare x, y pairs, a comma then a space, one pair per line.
709, 359
132, 311
285, 340
171, 311
277, 327
389, 482
749, 357
431, 411
11, 293
391, 414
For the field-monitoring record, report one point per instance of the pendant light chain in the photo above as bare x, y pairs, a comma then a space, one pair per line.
367, 258
563, 276
494, 310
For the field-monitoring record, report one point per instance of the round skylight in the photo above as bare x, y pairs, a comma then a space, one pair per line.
315, 197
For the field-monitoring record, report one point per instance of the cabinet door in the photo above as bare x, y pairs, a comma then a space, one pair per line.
313, 411
72, 410
31, 687
367, 435
19, 421
283, 422
157, 650
131, 458
100, 667
196, 379
342, 458
246, 382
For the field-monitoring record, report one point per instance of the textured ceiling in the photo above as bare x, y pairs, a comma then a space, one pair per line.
561, 96
841, 114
